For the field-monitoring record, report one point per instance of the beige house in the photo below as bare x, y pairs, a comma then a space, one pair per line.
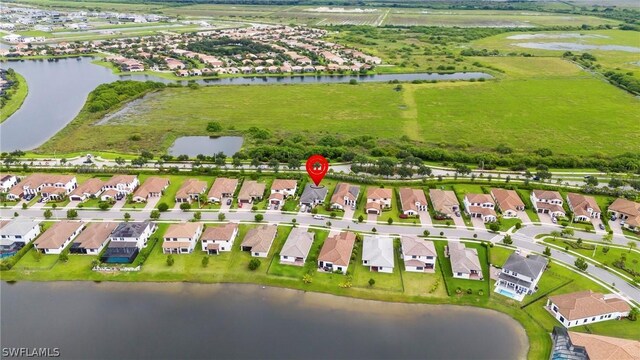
58, 236
628, 211
584, 207
345, 195
181, 238
336, 251
508, 202
88, 189
465, 263
412, 201
93, 238
219, 238
258, 241
251, 191
586, 307
152, 187
378, 199
191, 190
444, 202
222, 188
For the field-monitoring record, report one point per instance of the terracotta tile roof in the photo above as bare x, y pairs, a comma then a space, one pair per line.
412, 245
175, 244
373, 205
507, 199
337, 249
547, 195
580, 203
222, 186
409, 197
110, 193
182, 230
283, 184
629, 208
120, 179
34, 181
276, 196
443, 200
91, 186
463, 259
479, 198
153, 184
57, 234
250, 189
583, 304
190, 187
482, 210
95, 234
343, 190
550, 207
378, 193
260, 238
606, 348
220, 233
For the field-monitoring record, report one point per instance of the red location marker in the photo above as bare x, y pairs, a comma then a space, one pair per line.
317, 167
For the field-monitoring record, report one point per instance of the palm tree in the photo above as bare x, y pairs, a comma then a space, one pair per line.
555, 234
632, 245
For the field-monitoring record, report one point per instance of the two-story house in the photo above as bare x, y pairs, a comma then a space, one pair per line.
219, 238
480, 206
548, 202
345, 195
520, 275
419, 255
15, 234
584, 207
181, 238
127, 240
378, 199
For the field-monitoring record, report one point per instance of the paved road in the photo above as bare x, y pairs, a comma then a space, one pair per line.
532, 231
524, 238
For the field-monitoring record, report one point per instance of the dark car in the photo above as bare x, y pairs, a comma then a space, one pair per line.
601, 226
28, 197
229, 201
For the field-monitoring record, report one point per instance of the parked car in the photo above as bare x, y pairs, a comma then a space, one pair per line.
229, 201
613, 218
458, 213
318, 217
621, 222
276, 207
553, 220
28, 197
601, 226
309, 209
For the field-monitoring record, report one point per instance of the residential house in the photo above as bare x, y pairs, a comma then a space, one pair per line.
345, 195
508, 202
520, 275
336, 251
54, 186
313, 195
444, 202
258, 241
284, 186
152, 187
465, 263
628, 211
480, 206
604, 347
93, 238
191, 190
111, 194
412, 201
548, 202
296, 249
56, 238
584, 207
126, 241
419, 255
377, 253
90, 189
7, 181
219, 238
222, 188
251, 191
378, 199
181, 238
121, 184
15, 234
586, 307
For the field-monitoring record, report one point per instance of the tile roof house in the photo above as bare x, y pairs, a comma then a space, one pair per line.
628, 211
35, 183
56, 238
126, 240
313, 195
508, 202
586, 307
258, 241
600, 347
88, 189
181, 238
222, 188
123, 184
480, 206
547, 202
191, 190
93, 238
378, 199
250, 191
444, 202
377, 253
465, 263
584, 207
419, 255
154, 186
285, 187
412, 201
344, 195
296, 249
15, 234
520, 275
336, 251
219, 238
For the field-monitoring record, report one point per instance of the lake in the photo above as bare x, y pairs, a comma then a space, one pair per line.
205, 145
568, 46
58, 90
219, 321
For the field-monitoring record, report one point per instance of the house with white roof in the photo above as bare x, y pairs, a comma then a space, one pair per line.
419, 255
17, 233
377, 254
296, 248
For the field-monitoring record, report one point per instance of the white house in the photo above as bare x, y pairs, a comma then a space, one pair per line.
133, 232
296, 249
377, 254
412, 201
123, 184
17, 233
345, 195
219, 238
378, 199
419, 255
58, 236
480, 206
285, 187
520, 275
181, 238
7, 181
89, 189
547, 202
258, 241
336, 251
586, 307
35, 183
584, 207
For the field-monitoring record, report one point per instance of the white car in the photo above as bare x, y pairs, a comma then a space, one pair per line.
318, 217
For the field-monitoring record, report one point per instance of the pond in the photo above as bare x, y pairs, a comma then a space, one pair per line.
58, 90
174, 320
568, 46
206, 145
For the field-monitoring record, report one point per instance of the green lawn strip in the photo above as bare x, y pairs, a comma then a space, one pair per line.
524, 196
498, 255
59, 204
18, 93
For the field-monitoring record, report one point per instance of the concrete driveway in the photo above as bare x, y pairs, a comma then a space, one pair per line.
151, 203
478, 223
119, 204
545, 219
524, 217
372, 217
223, 205
348, 213
72, 205
38, 205
616, 227
425, 219
458, 220
596, 225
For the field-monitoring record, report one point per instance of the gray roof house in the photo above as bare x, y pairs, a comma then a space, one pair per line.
520, 275
297, 246
313, 195
464, 261
377, 253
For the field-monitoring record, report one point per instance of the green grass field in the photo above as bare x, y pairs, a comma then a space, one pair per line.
18, 94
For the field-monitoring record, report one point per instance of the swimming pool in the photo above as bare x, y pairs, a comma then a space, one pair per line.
507, 293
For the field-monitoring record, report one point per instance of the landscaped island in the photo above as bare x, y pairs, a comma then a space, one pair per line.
13, 91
